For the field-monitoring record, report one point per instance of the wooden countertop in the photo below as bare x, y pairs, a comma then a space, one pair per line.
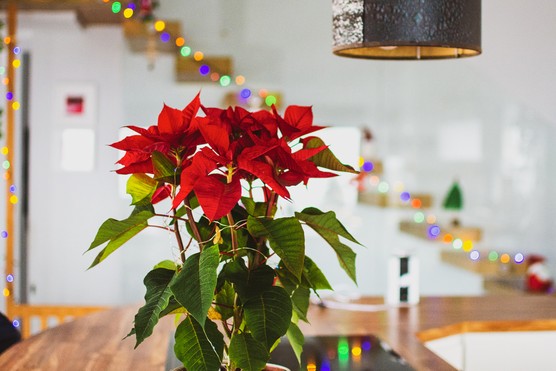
94, 342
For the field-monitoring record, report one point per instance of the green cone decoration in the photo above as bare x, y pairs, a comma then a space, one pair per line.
454, 199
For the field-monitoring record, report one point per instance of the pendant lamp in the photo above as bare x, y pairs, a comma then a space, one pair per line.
406, 29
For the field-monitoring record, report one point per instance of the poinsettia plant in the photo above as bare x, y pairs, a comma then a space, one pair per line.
242, 280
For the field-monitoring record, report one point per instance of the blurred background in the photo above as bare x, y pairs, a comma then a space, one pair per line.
487, 123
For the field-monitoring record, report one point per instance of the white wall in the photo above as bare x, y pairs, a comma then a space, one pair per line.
285, 46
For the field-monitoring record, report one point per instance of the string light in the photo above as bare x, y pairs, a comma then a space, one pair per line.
180, 41
164, 37
225, 80
128, 13
198, 56
159, 26
116, 7
434, 231
6, 165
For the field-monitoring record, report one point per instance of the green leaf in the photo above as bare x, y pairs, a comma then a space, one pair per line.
286, 238
173, 307
329, 228
314, 276
164, 169
118, 232
167, 264
195, 283
296, 339
142, 207
193, 347
225, 297
268, 315
326, 222
248, 283
141, 188
299, 293
256, 209
246, 353
157, 297
300, 302
326, 158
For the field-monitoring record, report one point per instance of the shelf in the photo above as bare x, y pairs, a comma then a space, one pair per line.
483, 266
421, 230
141, 38
187, 69
389, 200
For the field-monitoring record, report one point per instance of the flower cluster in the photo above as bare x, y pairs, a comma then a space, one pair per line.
214, 152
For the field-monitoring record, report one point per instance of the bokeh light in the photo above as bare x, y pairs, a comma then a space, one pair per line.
374, 180
180, 41
431, 219
457, 243
165, 37
240, 80
419, 217
185, 51
434, 231
270, 100
475, 255
405, 196
204, 70
128, 13
383, 187
416, 203
368, 166
245, 93
225, 80
116, 7
493, 256
467, 245
159, 26
198, 56
519, 258
505, 258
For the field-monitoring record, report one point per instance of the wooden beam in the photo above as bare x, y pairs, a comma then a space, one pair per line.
10, 118
48, 4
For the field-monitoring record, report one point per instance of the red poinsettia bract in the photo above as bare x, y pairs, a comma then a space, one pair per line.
216, 152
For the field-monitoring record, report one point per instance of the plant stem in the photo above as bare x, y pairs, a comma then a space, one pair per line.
233, 233
178, 238
172, 216
192, 224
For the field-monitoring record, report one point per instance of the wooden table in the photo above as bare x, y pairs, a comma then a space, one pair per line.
94, 342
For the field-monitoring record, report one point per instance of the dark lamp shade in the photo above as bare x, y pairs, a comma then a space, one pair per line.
406, 29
